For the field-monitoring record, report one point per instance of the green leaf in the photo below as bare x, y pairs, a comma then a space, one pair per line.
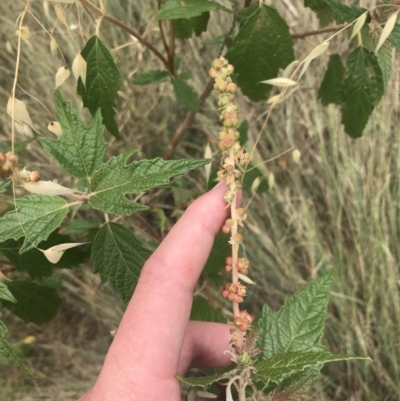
186, 95
250, 177
81, 149
184, 28
35, 303
345, 13
35, 218
103, 82
119, 257
385, 57
216, 261
116, 178
361, 90
8, 352
323, 11
298, 325
394, 37
330, 86
205, 381
5, 293
35, 263
4, 185
262, 46
277, 367
76, 227
204, 312
175, 9
243, 129
150, 77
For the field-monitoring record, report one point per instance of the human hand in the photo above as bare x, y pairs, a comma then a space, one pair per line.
155, 341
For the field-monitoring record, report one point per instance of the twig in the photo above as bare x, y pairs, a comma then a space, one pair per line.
160, 27
319, 31
87, 4
171, 51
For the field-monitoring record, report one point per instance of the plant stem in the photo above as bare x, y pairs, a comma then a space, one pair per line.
87, 4
319, 31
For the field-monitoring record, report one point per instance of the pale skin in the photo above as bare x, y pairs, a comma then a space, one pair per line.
155, 341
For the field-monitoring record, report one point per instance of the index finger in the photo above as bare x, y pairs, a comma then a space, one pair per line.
155, 321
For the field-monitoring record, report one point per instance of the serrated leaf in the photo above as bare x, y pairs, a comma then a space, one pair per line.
205, 381
81, 149
34, 262
175, 9
361, 90
204, 312
394, 37
184, 28
262, 46
277, 367
385, 57
115, 179
330, 86
35, 218
298, 325
323, 11
344, 13
119, 257
150, 77
186, 95
36, 303
5, 294
103, 81
4, 185
8, 352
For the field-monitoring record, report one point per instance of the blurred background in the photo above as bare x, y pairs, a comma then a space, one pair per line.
338, 208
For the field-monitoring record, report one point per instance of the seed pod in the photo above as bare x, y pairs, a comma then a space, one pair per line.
55, 128
79, 68
55, 253
9, 48
271, 180
296, 156
53, 46
225, 229
24, 32
21, 114
62, 75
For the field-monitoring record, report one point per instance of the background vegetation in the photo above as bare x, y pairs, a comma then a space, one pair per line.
339, 207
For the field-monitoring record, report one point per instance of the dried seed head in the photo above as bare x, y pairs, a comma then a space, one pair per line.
24, 32
212, 72
225, 229
296, 156
79, 68
21, 114
55, 128
238, 321
237, 238
62, 75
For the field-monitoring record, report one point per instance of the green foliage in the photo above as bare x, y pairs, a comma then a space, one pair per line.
5, 294
36, 303
119, 257
185, 95
204, 381
35, 218
4, 185
34, 262
344, 13
184, 28
361, 91
150, 77
298, 325
8, 352
103, 82
276, 368
80, 150
385, 62
394, 37
330, 86
115, 179
176, 9
262, 46
220, 251
322, 9
204, 312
